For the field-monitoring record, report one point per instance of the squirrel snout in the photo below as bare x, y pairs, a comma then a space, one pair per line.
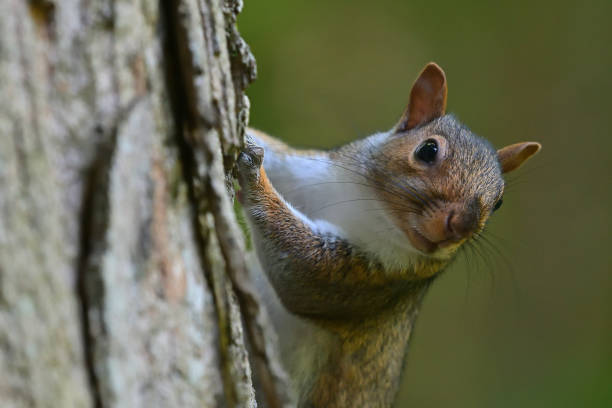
460, 224
448, 224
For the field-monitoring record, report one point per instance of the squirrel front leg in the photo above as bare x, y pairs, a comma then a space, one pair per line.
313, 269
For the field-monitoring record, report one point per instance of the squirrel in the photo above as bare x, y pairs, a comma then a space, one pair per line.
350, 239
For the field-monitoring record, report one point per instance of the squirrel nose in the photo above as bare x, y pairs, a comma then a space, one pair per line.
460, 223
451, 222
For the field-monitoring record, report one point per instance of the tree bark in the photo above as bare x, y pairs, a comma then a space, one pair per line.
122, 272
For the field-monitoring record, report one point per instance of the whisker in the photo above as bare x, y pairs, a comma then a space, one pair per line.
403, 210
388, 174
482, 256
342, 202
385, 230
507, 265
375, 186
403, 187
326, 182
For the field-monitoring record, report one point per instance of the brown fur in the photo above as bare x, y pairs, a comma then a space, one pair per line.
365, 370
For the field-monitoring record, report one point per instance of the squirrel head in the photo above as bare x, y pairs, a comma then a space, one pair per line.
440, 181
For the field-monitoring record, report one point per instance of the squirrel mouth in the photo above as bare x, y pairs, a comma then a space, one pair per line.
420, 242
436, 234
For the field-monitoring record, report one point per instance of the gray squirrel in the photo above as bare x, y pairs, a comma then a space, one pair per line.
349, 240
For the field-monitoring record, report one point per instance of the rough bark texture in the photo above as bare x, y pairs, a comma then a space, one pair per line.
121, 267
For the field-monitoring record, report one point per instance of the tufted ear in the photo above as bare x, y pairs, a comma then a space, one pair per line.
427, 99
513, 156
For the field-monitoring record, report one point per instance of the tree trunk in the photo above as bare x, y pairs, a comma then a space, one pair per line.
122, 274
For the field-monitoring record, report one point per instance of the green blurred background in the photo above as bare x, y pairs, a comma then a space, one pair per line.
530, 324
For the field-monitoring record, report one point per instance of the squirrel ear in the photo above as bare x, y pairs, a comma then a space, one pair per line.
513, 156
427, 98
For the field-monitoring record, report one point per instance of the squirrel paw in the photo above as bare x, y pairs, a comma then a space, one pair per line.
249, 163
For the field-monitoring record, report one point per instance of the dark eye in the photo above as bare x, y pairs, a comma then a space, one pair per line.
427, 151
498, 204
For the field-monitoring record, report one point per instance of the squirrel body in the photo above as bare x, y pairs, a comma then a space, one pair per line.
349, 240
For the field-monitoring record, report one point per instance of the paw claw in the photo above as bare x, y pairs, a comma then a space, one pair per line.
249, 162
257, 153
251, 158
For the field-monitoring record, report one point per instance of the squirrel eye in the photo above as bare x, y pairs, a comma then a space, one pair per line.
498, 204
427, 151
